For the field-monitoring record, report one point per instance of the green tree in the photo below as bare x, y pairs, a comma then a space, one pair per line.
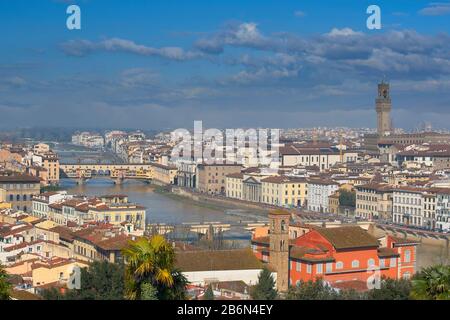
265, 289
5, 286
209, 294
148, 292
432, 283
152, 260
391, 289
101, 281
347, 198
312, 290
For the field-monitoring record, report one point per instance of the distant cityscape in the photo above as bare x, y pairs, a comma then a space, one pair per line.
341, 202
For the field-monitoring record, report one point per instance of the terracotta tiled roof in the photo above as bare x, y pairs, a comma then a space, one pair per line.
348, 237
387, 252
309, 254
205, 260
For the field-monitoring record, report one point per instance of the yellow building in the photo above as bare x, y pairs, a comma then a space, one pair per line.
163, 174
234, 185
374, 200
98, 245
57, 270
119, 213
333, 203
284, 191
3, 203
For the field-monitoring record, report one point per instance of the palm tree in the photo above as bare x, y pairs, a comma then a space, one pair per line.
151, 261
432, 283
5, 286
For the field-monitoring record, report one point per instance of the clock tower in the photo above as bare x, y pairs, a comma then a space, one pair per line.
279, 247
383, 107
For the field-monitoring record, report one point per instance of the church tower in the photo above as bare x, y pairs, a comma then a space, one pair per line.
279, 247
383, 107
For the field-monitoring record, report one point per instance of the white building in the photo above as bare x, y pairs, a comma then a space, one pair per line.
324, 158
202, 267
443, 210
41, 202
318, 192
87, 139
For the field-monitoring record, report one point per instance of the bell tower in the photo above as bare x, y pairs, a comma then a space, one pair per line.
279, 247
383, 107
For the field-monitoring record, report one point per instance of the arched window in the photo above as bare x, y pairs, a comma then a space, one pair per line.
283, 225
339, 265
355, 264
370, 262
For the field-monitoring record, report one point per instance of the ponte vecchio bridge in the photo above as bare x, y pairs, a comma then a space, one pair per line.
117, 172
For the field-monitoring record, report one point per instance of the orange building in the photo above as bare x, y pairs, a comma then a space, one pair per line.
343, 254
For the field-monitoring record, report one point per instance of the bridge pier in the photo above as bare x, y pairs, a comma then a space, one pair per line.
81, 181
118, 181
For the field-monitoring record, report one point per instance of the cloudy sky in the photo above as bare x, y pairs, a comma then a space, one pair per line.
161, 64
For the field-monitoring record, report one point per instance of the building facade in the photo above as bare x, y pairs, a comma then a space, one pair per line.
284, 191
374, 201
20, 189
212, 177
318, 192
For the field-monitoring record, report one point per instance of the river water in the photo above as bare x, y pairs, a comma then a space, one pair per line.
162, 209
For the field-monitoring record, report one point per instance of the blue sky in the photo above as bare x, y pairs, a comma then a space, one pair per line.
163, 64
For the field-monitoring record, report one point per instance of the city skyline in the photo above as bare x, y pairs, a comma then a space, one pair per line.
231, 64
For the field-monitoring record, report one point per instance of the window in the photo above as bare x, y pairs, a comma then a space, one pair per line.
339, 265
393, 262
407, 257
382, 263
298, 267
406, 275
355, 264
319, 268
370, 263
329, 267
308, 268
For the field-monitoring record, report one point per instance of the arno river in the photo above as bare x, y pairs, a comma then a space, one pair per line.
164, 209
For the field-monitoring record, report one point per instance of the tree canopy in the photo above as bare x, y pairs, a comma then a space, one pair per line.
5, 285
265, 288
432, 283
153, 261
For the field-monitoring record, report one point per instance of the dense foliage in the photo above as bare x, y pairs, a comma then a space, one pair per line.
152, 261
101, 281
390, 289
209, 294
5, 286
347, 198
432, 283
265, 288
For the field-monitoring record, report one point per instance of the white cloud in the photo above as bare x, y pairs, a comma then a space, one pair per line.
344, 32
436, 9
